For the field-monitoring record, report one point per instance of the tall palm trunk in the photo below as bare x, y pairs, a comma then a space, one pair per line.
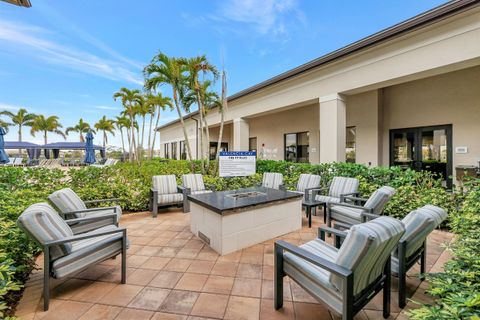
208, 140
104, 138
150, 136
20, 137
155, 133
45, 137
143, 131
132, 138
200, 111
220, 135
123, 143
177, 106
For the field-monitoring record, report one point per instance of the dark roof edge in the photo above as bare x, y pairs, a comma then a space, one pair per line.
421, 20
438, 13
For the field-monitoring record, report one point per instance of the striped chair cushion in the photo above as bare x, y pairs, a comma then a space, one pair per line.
379, 199
366, 250
88, 251
165, 184
272, 180
418, 226
342, 185
327, 199
86, 226
66, 200
170, 198
44, 224
313, 278
193, 181
307, 181
346, 214
201, 191
438, 214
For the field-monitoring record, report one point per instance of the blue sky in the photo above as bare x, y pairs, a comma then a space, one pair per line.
67, 58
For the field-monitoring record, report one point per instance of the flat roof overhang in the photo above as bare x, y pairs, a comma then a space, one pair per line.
20, 3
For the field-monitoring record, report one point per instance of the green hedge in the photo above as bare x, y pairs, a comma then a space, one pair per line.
20, 187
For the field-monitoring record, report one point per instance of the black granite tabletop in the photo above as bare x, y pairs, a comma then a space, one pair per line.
223, 201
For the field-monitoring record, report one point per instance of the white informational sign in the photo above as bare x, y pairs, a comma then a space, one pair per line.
237, 163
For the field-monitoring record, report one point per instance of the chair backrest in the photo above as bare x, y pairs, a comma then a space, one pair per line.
418, 226
166, 184
18, 161
272, 180
306, 181
342, 185
193, 181
379, 199
66, 200
44, 224
438, 214
366, 249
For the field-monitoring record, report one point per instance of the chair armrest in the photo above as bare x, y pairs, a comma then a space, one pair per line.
353, 198
313, 259
318, 191
369, 216
184, 190
308, 191
85, 236
87, 219
342, 225
90, 210
348, 205
282, 187
102, 200
336, 232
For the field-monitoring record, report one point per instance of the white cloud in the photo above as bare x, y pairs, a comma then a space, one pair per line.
107, 108
9, 107
265, 17
33, 42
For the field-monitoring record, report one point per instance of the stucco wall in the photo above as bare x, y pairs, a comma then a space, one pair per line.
452, 98
270, 129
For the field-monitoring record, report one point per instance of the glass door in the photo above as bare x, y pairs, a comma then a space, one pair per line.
296, 147
423, 149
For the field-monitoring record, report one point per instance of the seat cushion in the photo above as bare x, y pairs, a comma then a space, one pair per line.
272, 180
170, 198
44, 224
86, 226
346, 214
88, 251
66, 200
342, 185
166, 184
193, 181
201, 191
327, 199
313, 278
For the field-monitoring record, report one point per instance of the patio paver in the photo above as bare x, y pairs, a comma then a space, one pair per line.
172, 275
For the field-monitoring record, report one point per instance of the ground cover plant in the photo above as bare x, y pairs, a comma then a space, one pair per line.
20, 187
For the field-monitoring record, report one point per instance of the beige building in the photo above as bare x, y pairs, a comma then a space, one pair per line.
408, 95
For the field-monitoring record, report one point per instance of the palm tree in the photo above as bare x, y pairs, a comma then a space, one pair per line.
46, 125
157, 103
195, 66
81, 127
130, 100
122, 122
143, 109
20, 119
105, 125
165, 70
5, 125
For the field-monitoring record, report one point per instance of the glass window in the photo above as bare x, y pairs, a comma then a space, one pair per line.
165, 151
174, 150
350, 144
183, 152
297, 147
213, 149
252, 144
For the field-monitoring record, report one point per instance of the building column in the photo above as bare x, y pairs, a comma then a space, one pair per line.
241, 134
332, 128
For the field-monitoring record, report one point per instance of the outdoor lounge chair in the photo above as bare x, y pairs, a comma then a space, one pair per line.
351, 214
67, 252
71, 206
272, 180
307, 183
165, 192
345, 279
338, 188
193, 184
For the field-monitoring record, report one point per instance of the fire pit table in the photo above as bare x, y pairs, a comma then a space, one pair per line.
231, 220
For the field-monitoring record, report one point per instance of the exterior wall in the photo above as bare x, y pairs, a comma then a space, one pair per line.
174, 133
453, 98
270, 129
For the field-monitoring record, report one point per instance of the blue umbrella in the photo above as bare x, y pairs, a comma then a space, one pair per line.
3, 154
89, 153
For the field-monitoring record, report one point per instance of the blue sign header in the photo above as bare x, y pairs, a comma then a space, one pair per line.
238, 153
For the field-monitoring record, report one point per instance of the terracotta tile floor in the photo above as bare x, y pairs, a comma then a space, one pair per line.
173, 275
